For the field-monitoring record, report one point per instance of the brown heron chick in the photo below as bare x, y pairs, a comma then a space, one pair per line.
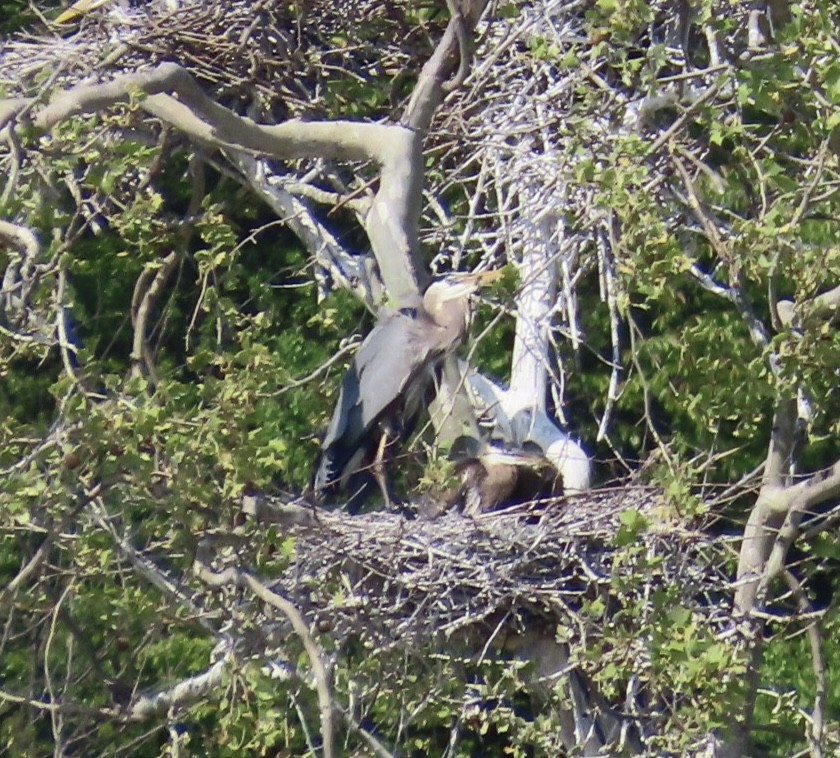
387, 385
493, 477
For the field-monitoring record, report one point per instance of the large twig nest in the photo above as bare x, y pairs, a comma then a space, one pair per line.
284, 53
403, 581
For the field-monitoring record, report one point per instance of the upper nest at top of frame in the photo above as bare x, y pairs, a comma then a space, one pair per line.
281, 52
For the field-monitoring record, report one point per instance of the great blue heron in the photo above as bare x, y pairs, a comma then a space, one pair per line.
385, 387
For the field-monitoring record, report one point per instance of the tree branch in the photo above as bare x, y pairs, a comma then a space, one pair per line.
351, 272
184, 693
768, 513
824, 306
815, 735
801, 497
392, 220
774, 521
448, 55
20, 238
243, 579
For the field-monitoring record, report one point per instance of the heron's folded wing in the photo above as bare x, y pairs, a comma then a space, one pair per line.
390, 359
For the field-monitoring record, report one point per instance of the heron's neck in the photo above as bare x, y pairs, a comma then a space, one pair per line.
451, 319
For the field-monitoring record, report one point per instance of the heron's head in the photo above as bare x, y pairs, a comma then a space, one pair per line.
447, 300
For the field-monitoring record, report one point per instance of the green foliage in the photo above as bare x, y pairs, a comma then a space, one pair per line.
787, 699
667, 649
165, 456
753, 176
15, 14
162, 452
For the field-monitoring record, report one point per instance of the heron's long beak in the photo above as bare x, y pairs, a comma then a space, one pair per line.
464, 285
482, 278
77, 10
477, 279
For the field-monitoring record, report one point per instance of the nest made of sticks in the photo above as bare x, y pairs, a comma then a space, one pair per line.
394, 580
283, 54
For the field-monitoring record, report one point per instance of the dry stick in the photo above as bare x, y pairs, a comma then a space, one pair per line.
773, 500
325, 249
307, 736
141, 353
151, 572
610, 279
350, 346
65, 345
69, 709
312, 650
759, 537
56, 717
682, 120
824, 521
646, 394
807, 194
374, 744
735, 292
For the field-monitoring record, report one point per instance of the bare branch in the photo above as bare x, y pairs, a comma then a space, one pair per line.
313, 651
151, 283
430, 86
773, 526
11, 108
19, 237
392, 220
65, 345
41, 554
815, 489
67, 708
184, 693
606, 264
800, 498
374, 744
349, 271
824, 306
779, 454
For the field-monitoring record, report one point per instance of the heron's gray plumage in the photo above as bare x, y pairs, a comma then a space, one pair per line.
376, 379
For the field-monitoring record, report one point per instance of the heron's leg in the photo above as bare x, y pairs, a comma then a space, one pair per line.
378, 467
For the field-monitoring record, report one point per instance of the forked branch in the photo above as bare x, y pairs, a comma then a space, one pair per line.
391, 223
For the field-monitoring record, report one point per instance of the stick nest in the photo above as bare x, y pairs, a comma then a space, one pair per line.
393, 580
280, 58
